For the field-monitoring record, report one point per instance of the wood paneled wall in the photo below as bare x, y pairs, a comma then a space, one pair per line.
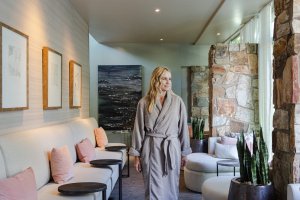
55, 24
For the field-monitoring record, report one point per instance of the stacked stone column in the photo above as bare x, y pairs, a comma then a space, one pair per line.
199, 92
286, 73
233, 89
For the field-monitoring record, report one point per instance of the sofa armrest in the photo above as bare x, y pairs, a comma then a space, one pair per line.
293, 191
212, 144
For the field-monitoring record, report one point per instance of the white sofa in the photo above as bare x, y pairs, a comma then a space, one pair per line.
293, 191
31, 148
202, 166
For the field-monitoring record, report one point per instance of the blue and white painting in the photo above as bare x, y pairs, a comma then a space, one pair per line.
119, 90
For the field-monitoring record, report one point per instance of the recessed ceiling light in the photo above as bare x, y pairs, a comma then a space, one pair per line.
157, 10
218, 33
161, 39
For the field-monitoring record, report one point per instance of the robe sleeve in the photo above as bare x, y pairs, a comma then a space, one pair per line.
183, 131
138, 133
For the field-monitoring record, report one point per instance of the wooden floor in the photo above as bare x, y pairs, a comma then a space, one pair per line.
133, 187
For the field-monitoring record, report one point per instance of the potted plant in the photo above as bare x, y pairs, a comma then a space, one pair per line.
198, 143
254, 182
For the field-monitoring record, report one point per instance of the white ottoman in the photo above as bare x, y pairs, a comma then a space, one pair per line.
200, 167
216, 188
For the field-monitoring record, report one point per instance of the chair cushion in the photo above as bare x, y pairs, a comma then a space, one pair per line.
226, 151
203, 162
61, 164
21, 186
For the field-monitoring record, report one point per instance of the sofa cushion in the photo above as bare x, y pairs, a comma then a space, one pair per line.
226, 151
101, 137
85, 151
61, 164
83, 172
21, 186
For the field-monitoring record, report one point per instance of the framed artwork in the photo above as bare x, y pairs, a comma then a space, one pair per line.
119, 90
52, 79
13, 69
75, 84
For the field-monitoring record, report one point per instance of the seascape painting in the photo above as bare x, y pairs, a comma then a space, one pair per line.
119, 90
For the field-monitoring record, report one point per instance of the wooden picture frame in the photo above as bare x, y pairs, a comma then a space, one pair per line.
75, 84
52, 79
13, 69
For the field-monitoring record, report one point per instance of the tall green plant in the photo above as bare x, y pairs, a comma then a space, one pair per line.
255, 168
198, 128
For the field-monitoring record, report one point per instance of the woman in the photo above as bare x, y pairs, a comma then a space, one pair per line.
160, 139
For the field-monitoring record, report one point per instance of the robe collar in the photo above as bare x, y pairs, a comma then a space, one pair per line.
163, 109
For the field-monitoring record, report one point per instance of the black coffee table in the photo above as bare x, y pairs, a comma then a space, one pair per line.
229, 163
80, 188
103, 163
119, 149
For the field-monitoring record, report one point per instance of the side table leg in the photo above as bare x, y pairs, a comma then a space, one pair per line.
104, 194
128, 163
217, 169
128, 170
233, 171
120, 181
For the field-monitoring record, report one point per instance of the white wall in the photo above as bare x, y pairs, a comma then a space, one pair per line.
55, 24
149, 56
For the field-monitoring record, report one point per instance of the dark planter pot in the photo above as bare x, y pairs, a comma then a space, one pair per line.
243, 191
199, 145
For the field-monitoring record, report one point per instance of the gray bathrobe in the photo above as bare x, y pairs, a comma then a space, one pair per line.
160, 138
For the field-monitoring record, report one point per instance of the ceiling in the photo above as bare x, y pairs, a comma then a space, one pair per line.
179, 21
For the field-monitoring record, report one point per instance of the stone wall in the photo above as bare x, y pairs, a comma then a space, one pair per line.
233, 88
286, 120
199, 92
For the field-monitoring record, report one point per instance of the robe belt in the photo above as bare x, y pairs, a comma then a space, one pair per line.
168, 150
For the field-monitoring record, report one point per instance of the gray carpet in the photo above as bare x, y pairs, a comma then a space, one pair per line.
133, 187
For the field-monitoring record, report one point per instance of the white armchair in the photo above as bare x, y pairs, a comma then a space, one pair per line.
293, 191
202, 166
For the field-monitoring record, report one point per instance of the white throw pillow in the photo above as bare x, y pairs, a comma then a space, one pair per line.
226, 151
228, 140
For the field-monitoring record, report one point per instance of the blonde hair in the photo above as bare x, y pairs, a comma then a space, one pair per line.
154, 87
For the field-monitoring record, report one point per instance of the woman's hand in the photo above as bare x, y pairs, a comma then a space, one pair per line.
137, 164
183, 161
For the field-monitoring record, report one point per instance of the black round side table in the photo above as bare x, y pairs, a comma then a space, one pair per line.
83, 188
229, 163
105, 163
119, 149
115, 148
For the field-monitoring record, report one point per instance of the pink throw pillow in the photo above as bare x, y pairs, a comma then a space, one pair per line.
101, 137
21, 186
85, 151
228, 140
61, 164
